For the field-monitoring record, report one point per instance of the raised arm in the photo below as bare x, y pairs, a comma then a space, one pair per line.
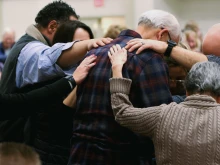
183, 56
139, 120
75, 53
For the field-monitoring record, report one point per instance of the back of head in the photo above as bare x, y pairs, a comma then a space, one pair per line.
161, 19
203, 78
211, 41
66, 31
12, 153
114, 30
191, 25
57, 10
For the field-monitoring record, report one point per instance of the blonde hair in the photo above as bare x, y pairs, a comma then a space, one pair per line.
114, 30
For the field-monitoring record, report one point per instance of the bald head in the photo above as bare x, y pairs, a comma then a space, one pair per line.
211, 42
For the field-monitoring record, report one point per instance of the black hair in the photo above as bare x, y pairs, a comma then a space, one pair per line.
56, 10
66, 31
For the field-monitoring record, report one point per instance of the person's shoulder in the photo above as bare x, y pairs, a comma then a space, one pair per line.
213, 58
149, 54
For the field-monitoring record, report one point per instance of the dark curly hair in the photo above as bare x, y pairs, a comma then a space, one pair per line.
57, 10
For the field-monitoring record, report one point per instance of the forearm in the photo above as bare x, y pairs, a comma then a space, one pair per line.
187, 58
117, 71
73, 55
139, 120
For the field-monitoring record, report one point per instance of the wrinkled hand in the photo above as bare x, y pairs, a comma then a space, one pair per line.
83, 69
117, 55
94, 43
142, 44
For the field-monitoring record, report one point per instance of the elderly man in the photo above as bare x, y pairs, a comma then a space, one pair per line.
8, 40
186, 58
210, 48
97, 138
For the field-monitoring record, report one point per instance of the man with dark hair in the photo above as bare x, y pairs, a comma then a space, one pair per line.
33, 63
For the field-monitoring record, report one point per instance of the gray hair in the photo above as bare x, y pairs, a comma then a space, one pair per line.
161, 19
203, 77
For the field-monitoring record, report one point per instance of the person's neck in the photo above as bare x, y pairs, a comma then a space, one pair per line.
42, 31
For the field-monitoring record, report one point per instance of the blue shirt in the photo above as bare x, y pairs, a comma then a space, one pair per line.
37, 63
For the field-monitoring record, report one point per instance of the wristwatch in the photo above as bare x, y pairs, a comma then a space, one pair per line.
71, 81
170, 46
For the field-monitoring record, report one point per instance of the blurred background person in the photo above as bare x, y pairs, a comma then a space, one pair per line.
192, 35
191, 39
12, 153
8, 40
114, 30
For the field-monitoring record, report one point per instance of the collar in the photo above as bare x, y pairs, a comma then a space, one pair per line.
200, 100
35, 33
130, 33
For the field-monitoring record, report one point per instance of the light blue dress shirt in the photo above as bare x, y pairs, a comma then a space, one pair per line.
37, 63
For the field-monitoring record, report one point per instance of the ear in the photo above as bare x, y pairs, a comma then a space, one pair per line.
52, 26
162, 34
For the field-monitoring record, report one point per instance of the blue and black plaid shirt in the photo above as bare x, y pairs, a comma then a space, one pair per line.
97, 137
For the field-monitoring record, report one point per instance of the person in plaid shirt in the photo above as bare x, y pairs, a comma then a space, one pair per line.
97, 138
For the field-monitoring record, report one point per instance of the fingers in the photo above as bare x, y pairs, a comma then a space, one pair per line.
102, 42
114, 49
138, 44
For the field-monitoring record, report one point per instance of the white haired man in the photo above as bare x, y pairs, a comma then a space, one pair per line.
97, 137
187, 58
8, 40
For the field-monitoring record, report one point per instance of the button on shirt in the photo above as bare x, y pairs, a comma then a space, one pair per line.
37, 63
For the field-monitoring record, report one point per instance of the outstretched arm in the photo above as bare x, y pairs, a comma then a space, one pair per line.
23, 104
78, 50
184, 57
139, 120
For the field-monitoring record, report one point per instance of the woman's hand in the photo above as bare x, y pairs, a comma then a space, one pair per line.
142, 44
94, 43
117, 56
83, 69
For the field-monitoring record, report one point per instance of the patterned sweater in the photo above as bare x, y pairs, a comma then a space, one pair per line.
183, 134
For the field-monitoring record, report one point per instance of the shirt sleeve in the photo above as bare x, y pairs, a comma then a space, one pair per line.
25, 103
140, 120
37, 63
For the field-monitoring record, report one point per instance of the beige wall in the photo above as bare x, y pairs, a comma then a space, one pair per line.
1, 16
15, 17
20, 13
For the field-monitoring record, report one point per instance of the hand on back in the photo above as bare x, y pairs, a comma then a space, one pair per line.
83, 69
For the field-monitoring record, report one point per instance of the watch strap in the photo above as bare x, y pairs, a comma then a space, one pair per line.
170, 46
